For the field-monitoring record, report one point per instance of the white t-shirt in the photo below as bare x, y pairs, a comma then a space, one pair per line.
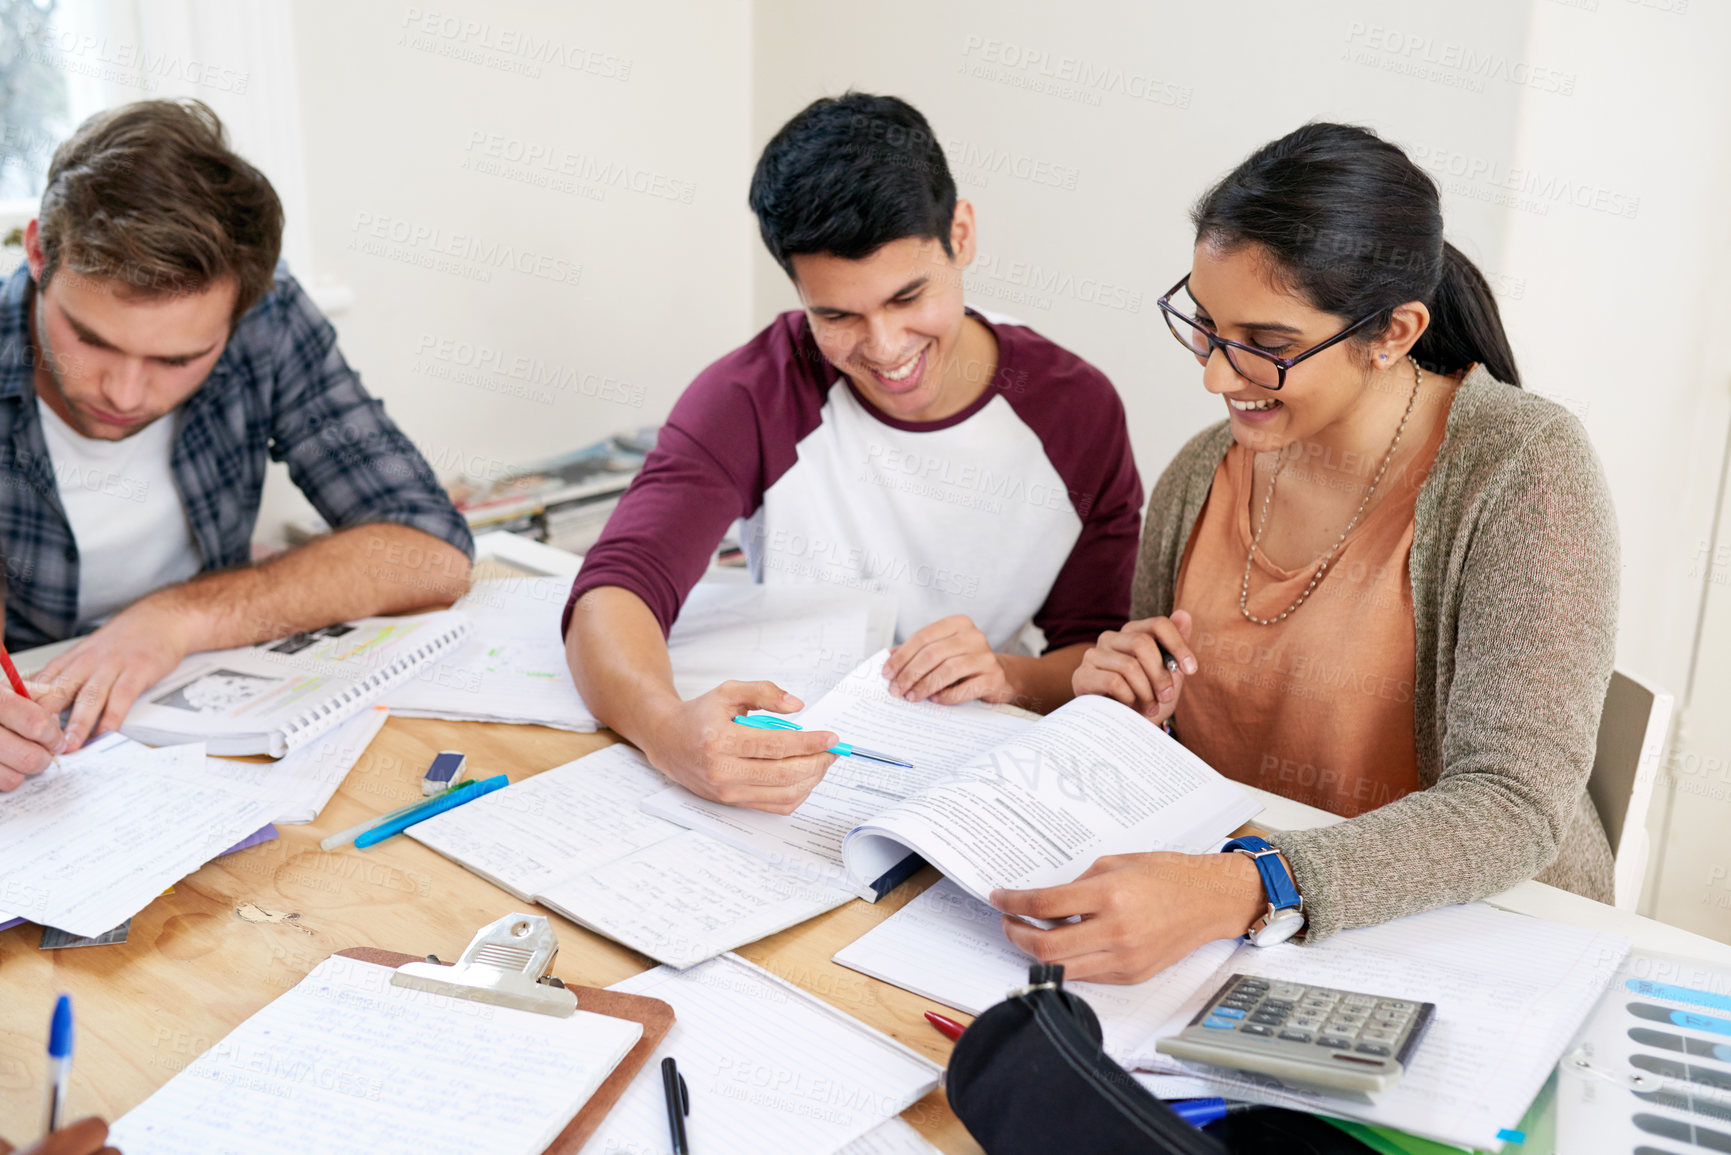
1024, 506
125, 512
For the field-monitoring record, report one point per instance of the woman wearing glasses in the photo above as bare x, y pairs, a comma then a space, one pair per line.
1388, 580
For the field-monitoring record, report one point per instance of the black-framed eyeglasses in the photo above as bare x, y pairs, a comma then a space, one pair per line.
1254, 365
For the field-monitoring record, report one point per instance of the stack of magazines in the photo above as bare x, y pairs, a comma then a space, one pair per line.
564, 501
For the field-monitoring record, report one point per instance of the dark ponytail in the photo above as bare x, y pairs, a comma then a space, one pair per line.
1356, 227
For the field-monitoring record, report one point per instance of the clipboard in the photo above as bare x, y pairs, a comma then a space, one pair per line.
534, 968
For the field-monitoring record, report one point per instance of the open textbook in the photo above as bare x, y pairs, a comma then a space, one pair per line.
1510, 990
1034, 804
605, 842
514, 668
278, 695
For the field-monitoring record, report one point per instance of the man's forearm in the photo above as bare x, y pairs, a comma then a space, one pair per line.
619, 661
1042, 684
358, 572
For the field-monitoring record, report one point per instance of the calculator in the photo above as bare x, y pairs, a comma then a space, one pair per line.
1317, 1037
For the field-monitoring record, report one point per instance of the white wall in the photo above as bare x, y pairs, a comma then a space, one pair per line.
399, 113
1183, 93
1621, 312
1622, 319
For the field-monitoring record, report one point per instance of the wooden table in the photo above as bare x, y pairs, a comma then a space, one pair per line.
247, 927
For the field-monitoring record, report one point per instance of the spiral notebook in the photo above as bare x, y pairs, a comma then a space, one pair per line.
278, 695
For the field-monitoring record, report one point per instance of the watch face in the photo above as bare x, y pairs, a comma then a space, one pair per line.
1281, 925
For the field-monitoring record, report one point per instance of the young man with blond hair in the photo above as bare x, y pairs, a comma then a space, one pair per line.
154, 357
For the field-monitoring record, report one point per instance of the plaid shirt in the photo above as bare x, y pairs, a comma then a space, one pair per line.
281, 390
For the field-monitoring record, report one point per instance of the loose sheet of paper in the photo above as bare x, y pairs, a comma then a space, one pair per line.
561, 822
304, 779
1509, 990
1090, 779
948, 946
689, 898
892, 1137
347, 1062
801, 638
86, 846
769, 1067
512, 668
939, 740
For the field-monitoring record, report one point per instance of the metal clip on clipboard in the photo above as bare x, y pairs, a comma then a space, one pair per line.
508, 964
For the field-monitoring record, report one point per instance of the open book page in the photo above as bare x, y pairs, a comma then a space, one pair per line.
938, 740
304, 779
950, 947
804, 639
1510, 991
769, 1068
256, 699
1090, 779
87, 845
347, 1062
689, 898
512, 668
555, 824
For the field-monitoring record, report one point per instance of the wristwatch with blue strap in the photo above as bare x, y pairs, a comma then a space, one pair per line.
1285, 916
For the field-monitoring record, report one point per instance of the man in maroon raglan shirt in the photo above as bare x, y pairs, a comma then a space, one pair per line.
885, 437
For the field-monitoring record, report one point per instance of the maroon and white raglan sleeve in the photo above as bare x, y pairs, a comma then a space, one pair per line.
733, 432
1080, 421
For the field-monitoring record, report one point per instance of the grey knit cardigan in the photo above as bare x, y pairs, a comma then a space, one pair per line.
1514, 588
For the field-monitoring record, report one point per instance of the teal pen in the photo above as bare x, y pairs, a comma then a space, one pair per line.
344, 837
846, 750
448, 801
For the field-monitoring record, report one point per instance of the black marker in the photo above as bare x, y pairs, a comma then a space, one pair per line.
678, 1104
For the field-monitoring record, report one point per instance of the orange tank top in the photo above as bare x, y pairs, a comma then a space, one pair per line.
1319, 707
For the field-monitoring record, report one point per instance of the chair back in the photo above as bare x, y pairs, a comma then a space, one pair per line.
1632, 729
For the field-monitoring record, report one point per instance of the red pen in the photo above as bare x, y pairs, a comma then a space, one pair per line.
950, 1029
17, 682
12, 674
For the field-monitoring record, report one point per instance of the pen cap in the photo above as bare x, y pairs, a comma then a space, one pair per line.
60, 1031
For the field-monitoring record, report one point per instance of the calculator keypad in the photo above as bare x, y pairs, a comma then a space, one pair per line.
1330, 1020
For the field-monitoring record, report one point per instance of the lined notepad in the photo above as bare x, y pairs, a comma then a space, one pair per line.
576, 839
769, 1067
347, 1062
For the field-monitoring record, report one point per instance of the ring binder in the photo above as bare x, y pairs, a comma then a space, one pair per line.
508, 963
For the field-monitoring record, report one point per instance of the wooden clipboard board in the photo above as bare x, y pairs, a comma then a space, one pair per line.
655, 1016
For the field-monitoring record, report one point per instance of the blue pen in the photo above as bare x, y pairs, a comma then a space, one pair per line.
59, 1061
771, 722
1201, 1112
451, 800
